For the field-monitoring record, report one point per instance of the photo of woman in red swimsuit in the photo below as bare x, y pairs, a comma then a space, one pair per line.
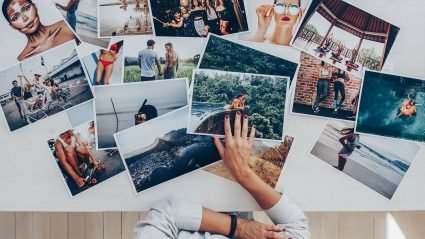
105, 66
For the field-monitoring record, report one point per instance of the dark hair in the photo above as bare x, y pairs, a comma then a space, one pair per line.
240, 95
346, 131
5, 5
13, 82
151, 42
322, 63
299, 2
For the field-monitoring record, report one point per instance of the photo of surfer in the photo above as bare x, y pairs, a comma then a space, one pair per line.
198, 18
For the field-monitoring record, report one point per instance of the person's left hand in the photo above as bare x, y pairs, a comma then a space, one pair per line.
238, 147
256, 230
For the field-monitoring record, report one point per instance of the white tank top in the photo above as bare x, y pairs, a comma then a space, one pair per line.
73, 142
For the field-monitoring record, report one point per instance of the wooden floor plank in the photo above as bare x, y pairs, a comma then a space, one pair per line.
143, 215
417, 220
112, 223
23, 225
41, 225
129, 220
380, 225
7, 225
314, 223
76, 225
59, 225
329, 225
94, 225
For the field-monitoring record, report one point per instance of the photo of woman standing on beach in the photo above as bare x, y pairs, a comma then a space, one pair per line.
274, 22
105, 66
38, 21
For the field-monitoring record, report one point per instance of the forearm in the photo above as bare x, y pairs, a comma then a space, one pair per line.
214, 222
265, 195
259, 36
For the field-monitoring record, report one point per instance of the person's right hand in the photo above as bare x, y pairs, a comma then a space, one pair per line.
264, 20
256, 230
238, 147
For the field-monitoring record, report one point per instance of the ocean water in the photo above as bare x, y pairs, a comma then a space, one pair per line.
391, 168
201, 111
380, 103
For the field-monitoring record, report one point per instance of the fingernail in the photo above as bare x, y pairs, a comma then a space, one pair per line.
254, 126
227, 116
239, 113
245, 116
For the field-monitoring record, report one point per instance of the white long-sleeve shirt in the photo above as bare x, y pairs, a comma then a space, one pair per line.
176, 219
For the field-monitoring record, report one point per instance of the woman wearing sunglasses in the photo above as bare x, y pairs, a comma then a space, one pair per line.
286, 14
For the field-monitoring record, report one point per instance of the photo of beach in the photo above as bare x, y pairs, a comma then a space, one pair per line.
378, 163
226, 55
119, 107
105, 67
124, 18
392, 106
43, 86
345, 36
267, 160
166, 151
216, 94
177, 56
79, 163
82, 17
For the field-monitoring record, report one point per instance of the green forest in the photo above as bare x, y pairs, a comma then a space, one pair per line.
267, 95
224, 55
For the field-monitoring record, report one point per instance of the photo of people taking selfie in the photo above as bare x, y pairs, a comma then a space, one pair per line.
197, 18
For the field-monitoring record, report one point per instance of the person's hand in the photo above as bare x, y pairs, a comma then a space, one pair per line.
238, 147
255, 230
265, 16
166, 24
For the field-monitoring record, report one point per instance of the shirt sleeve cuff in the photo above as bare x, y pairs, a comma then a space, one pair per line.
284, 208
189, 216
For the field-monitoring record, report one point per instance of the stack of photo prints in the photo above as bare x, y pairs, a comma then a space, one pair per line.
146, 83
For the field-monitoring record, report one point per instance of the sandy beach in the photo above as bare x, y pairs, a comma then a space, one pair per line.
327, 146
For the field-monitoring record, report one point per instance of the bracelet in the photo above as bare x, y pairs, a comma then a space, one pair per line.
233, 225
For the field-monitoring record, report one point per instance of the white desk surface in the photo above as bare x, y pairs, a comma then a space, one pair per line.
29, 180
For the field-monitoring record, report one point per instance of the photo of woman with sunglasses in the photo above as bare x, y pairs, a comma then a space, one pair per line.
276, 21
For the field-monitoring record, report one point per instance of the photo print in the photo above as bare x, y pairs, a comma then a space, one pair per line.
124, 18
82, 18
119, 107
273, 21
226, 55
267, 160
31, 27
345, 36
198, 18
377, 163
80, 165
43, 86
166, 151
105, 67
158, 58
216, 94
325, 91
392, 106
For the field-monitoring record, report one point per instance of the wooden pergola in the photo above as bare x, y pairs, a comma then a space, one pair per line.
355, 21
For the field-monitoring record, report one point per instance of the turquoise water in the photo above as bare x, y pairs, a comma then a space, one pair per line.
381, 100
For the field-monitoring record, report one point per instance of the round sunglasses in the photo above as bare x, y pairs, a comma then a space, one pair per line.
293, 9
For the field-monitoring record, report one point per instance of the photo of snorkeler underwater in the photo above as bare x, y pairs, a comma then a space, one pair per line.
216, 94
42, 86
345, 36
378, 163
30, 27
124, 18
273, 21
79, 163
392, 106
198, 18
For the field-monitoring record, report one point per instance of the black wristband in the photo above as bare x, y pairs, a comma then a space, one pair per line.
233, 225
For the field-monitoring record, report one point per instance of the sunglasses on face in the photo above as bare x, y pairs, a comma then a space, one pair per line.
293, 9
